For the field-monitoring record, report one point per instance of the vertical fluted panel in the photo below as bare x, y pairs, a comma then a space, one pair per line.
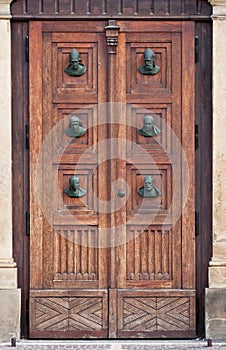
88, 7
120, 6
24, 6
167, 7
76, 255
148, 254
199, 6
135, 7
104, 7
73, 7
57, 7
183, 6
111, 8
152, 7
40, 6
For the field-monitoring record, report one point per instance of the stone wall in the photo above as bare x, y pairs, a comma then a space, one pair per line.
216, 293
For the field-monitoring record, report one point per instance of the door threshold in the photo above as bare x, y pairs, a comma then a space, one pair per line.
114, 344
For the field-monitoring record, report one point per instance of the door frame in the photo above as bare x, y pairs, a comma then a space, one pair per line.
20, 117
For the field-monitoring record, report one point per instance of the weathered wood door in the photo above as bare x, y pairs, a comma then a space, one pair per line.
115, 262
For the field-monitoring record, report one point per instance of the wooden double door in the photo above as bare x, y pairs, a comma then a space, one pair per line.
112, 246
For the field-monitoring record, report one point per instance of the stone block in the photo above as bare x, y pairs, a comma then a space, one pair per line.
219, 248
217, 277
8, 278
215, 305
10, 301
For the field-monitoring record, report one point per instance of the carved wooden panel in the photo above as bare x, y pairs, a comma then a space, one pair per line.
66, 235
66, 84
69, 314
149, 254
76, 257
162, 176
88, 182
68, 264
160, 86
152, 313
106, 8
162, 119
161, 81
88, 118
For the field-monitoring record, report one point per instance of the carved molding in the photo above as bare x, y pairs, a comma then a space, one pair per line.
112, 31
217, 2
111, 9
219, 9
7, 262
5, 9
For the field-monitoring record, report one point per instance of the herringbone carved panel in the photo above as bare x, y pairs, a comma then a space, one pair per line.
66, 314
152, 314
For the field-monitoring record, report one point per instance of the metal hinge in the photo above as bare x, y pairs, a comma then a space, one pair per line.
196, 49
196, 222
27, 48
196, 136
27, 136
27, 223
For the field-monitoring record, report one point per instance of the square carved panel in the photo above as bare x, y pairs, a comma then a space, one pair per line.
70, 144
140, 83
88, 55
65, 86
88, 182
162, 183
160, 143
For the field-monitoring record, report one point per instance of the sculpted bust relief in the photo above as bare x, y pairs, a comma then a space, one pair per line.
75, 128
149, 128
149, 190
75, 68
149, 68
74, 189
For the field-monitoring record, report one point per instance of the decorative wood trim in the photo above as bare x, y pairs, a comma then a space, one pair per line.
153, 313
152, 9
72, 314
112, 31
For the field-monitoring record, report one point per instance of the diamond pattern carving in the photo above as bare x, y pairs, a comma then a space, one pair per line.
151, 314
65, 314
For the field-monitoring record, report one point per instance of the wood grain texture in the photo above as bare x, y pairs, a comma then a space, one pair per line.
203, 96
66, 314
147, 313
188, 105
27, 9
149, 254
76, 255
67, 254
106, 8
20, 163
156, 256
36, 108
